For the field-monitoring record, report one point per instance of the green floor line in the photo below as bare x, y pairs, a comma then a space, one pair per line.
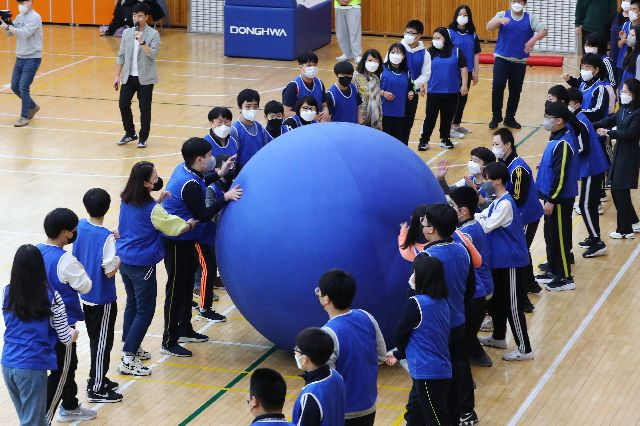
526, 138
228, 386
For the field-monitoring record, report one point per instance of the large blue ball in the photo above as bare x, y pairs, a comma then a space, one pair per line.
323, 196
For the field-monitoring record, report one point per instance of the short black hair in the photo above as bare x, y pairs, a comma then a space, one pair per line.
223, 112
443, 218
465, 196
141, 7
248, 95
309, 100
306, 57
429, 276
415, 25
560, 92
273, 107
58, 220
269, 388
594, 60
506, 136
485, 154
343, 67
315, 343
495, 171
97, 202
597, 40
194, 148
339, 286
575, 95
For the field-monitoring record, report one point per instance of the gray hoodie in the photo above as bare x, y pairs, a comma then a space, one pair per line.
28, 32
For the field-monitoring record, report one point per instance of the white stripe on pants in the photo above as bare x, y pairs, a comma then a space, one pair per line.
102, 343
349, 31
513, 295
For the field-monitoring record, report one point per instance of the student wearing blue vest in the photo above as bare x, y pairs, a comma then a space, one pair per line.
438, 227
249, 134
597, 44
187, 187
448, 81
35, 320
422, 337
95, 248
321, 401
593, 164
223, 145
419, 68
631, 57
274, 115
508, 246
306, 84
619, 20
68, 277
557, 188
358, 345
518, 33
305, 113
267, 392
593, 87
623, 34
343, 98
142, 222
396, 88
464, 37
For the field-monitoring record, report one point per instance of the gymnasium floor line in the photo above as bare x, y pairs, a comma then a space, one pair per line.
8, 85
574, 338
49, 129
213, 342
119, 123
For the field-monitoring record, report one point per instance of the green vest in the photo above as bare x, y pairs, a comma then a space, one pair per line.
336, 3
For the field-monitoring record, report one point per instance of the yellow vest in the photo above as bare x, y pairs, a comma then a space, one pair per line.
336, 3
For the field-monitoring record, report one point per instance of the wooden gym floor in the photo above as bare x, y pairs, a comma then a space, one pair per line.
585, 341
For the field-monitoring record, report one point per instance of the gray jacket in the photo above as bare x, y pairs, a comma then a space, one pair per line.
28, 32
146, 62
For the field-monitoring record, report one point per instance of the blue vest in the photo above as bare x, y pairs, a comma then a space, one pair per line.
330, 395
513, 36
88, 249
315, 91
175, 204
596, 162
285, 128
445, 74
52, 255
588, 101
357, 360
531, 210
455, 259
508, 242
345, 108
415, 60
210, 227
248, 144
219, 152
140, 243
398, 84
466, 43
626, 27
545, 172
28, 344
484, 279
428, 347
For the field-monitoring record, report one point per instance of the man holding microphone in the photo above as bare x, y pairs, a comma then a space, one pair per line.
27, 28
136, 73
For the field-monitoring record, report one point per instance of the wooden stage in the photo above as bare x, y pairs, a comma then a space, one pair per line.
586, 342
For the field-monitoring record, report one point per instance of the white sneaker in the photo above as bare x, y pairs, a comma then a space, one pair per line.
143, 355
517, 356
455, 134
619, 236
494, 343
78, 415
487, 324
576, 207
131, 365
341, 58
636, 227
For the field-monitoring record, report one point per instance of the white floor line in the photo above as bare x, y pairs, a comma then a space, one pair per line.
84, 120
159, 361
28, 234
61, 174
141, 157
216, 77
8, 85
573, 339
206, 95
93, 132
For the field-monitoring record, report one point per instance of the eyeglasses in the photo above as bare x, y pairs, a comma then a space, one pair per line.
411, 33
296, 349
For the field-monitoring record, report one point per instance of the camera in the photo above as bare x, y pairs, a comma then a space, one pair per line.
6, 16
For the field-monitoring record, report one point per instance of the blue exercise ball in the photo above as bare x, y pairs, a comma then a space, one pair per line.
323, 196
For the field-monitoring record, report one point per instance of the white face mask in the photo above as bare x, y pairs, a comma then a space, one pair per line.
211, 166
498, 152
590, 49
409, 38
474, 168
547, 124
462, 20
633, 16
572, 109
631, 42
24, 8
395, 58
412, 281
625, 99
308, 116
221, 131
371, 66
438, 43
517, 7
298, 360
586, 75
310, 72
625, 5
249, 114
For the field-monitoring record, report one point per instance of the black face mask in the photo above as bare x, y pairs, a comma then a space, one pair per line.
75, 235
274, 123
158, 185
345, 80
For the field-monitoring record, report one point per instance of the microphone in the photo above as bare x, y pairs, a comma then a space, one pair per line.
136, 27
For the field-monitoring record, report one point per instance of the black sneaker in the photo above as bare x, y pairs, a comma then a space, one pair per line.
127, 138
193, 337
142, 144
423, 146
105, 395
545, 267
586, 243
495, 121
527, 306
534, 288
597, 248
545, 278
210, 315
482, 361
446, 143
469, 419
512, 123
561, 284
110, 384
217, 283
176, 350
572, 259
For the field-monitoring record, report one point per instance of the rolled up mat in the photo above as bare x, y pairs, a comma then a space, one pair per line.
538, 60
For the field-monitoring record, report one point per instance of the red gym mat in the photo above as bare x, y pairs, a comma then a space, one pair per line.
539, 60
